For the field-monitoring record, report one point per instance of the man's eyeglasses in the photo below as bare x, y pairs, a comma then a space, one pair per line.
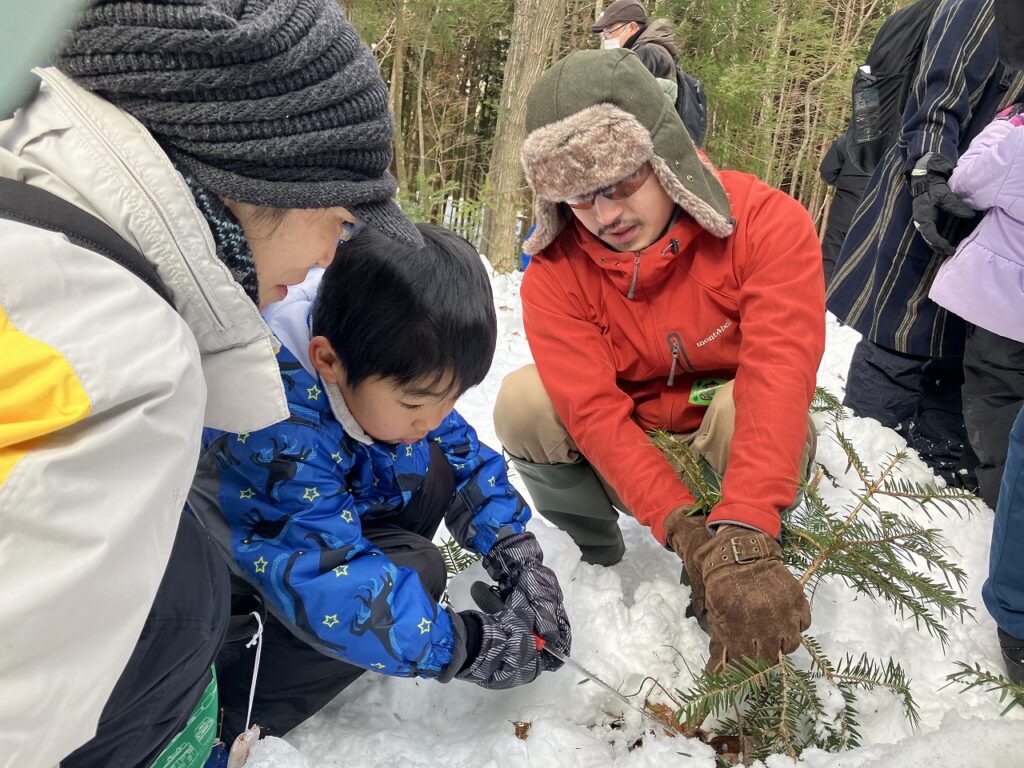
617, 191
611, 32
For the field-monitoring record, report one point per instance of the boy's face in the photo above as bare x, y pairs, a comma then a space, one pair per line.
386, 410
390, 413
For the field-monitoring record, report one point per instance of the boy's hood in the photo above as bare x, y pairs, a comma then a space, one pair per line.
290, 319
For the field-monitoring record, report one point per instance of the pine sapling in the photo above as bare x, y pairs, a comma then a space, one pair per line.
780, 706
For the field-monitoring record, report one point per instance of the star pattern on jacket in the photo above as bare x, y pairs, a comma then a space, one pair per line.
271, 495
242, 437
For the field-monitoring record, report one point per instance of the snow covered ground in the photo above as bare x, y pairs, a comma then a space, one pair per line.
628, 626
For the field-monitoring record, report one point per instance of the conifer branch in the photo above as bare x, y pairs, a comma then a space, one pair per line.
456, 559
825, 402
872, 487
887, 556
976, 677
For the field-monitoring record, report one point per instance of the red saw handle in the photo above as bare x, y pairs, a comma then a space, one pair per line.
539, 642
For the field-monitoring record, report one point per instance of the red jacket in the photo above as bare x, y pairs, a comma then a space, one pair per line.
750, 307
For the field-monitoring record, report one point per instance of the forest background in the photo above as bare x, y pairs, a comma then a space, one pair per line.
777, 75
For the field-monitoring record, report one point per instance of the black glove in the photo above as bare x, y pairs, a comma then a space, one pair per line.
528, 587
931, 193
502, 650
502, 643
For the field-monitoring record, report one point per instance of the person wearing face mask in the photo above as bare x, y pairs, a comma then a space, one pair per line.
179, 167
664, 294
624, 25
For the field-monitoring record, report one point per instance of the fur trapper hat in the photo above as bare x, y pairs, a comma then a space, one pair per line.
595, 117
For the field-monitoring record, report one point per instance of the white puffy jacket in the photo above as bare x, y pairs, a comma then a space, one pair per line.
104, 390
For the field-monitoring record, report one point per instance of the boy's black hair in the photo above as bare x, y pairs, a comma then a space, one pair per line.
415, 315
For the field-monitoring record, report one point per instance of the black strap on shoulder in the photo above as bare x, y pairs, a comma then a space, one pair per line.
37, 207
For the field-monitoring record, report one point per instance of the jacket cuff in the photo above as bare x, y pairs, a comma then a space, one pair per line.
459, 645
746, 517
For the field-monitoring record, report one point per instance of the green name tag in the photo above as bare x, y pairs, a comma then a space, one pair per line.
191, 747
703, 390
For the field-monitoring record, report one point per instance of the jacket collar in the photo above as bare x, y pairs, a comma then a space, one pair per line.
85, 150
644, 268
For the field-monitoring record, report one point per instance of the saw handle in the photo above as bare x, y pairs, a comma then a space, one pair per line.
539, 642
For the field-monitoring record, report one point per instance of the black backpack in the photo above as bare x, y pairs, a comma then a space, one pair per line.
692, 106
880, 96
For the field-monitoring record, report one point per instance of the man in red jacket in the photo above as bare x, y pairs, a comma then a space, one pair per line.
664, 295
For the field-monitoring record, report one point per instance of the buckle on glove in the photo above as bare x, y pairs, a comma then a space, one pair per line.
746, 551
736, 548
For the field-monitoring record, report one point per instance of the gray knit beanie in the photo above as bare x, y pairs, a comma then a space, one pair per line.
270, 102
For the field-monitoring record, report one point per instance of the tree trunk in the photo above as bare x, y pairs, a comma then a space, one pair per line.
396, 95
533, 29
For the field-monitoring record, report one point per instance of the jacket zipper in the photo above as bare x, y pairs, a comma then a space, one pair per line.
208, 304
673, 246
636, 275
675, 346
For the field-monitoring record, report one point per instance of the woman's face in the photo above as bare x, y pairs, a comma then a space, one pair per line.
285, 245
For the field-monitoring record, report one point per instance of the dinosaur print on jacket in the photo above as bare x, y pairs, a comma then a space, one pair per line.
295, 497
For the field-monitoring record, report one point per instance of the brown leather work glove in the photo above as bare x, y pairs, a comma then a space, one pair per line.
686, 533
756, 607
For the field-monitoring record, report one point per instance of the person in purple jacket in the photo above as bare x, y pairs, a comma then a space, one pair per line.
983, 282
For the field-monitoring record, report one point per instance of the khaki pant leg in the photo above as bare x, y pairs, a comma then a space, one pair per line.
713, 439
564, 487
526, 422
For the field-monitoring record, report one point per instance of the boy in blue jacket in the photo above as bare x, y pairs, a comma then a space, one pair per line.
328, 516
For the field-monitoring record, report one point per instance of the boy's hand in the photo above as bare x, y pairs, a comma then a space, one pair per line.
507, 655
530, 588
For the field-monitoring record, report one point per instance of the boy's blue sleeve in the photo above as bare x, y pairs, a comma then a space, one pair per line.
278, 502
485, 502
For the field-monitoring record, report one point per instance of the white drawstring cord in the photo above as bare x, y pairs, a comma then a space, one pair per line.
257, 639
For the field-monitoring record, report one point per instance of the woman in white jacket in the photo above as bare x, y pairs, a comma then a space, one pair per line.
229, 144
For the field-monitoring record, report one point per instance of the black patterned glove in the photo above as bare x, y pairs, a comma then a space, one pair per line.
529, 588
503, 650
931, 194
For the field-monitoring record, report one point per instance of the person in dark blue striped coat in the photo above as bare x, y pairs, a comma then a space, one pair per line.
907, 370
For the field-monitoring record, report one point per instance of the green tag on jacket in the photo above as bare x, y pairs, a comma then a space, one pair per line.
703, 390
191, 747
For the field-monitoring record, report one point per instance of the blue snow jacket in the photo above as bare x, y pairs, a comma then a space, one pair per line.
287, 504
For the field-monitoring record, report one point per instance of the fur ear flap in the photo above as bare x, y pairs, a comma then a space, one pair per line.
548, 222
